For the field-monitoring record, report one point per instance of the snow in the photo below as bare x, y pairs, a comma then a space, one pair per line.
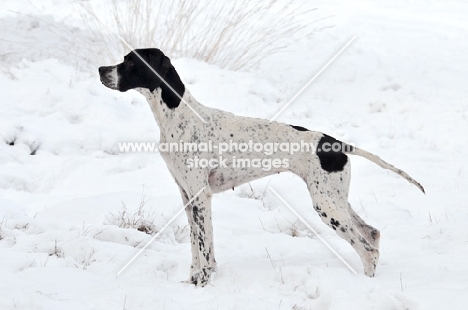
399, 91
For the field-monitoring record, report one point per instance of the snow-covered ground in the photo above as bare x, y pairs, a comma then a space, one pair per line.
399, 91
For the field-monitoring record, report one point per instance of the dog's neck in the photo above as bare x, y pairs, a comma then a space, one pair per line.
162, 112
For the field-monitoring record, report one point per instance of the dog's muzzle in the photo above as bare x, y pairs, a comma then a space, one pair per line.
109, 77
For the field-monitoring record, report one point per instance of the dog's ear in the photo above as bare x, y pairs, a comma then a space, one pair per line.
171, 97
159, 63
162, 65
165, 65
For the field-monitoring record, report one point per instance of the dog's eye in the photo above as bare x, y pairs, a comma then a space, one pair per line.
129, 63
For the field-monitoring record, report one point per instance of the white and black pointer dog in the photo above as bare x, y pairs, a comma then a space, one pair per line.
326, 173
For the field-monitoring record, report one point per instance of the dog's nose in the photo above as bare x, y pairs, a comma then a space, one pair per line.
101, 70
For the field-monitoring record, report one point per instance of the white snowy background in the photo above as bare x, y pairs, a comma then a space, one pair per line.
399, 91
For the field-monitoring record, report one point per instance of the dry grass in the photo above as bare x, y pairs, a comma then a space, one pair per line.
141, 219
234, 35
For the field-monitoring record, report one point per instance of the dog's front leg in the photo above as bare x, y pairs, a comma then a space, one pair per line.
201, 237
193, 233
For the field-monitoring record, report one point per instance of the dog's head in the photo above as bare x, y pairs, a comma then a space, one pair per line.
145, 68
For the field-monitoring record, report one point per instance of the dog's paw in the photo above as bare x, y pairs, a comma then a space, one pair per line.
369, 272
201, 278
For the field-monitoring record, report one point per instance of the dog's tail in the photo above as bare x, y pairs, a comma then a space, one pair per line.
379, 161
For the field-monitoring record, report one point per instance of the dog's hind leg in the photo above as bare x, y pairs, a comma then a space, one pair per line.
329, 191
371, 234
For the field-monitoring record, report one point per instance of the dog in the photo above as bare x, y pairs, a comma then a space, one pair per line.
180, 117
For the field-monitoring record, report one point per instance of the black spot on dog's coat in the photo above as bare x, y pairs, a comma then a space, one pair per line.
335, 224
332, 159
